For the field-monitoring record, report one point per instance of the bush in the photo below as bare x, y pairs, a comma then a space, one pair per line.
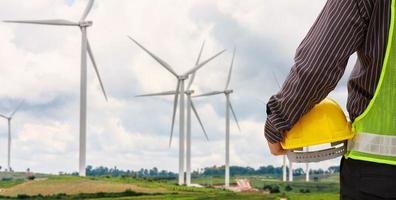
129, 192
23, 196
288, 188
7, 178
272, 188
267, 187
31, 178
275, 189
305, 191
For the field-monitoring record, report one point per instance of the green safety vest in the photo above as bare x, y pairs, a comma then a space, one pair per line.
375, 128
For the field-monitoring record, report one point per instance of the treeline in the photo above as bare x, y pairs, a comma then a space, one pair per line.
208, 171
264, 170
154, 172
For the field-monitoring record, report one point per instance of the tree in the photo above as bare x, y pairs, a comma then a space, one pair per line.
334, 169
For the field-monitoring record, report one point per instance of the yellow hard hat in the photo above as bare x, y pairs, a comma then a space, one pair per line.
324, 123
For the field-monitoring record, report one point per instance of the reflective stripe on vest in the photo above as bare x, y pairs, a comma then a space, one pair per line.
374, 144
375, 128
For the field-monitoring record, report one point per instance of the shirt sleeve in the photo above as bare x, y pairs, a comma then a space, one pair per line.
319, 64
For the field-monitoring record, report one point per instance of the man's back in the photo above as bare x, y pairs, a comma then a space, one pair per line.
343, 28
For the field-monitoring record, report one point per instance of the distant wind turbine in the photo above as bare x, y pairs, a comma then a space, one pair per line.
229, 108
85, 48
9, 118
180, 90
307, 168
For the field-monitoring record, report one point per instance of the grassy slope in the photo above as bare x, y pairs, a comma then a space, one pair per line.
72, 185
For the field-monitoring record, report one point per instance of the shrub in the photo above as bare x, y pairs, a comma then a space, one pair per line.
272, 188
288, 188
275, 189
129, 192
23, 196
7, 178
267, 187
305, 191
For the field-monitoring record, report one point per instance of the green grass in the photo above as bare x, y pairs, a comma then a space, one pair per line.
201, 196
10, 183
313, 196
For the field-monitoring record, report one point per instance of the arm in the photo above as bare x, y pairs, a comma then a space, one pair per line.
320, 62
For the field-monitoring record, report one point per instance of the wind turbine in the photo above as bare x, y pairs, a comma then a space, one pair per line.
85, 48
307, 168
9, 118
227, 92
290, 171
284, 172
180, 90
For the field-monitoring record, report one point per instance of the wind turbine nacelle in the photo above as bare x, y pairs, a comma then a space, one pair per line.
85, 23
189, 92
228, 91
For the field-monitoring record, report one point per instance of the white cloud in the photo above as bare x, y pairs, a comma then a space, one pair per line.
41, 64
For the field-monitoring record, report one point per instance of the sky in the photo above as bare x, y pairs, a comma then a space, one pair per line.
41, 65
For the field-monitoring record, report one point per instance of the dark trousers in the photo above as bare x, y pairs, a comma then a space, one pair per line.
360, 180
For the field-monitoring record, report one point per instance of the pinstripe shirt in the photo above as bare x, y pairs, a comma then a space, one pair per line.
342, 28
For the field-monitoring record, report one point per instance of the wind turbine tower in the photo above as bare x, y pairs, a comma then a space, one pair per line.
9, 119
83, 25
284, 172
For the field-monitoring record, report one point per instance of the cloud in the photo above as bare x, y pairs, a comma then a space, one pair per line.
41, 65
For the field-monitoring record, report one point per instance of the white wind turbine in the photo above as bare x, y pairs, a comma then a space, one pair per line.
190, 106
229, 108
180, 90
9, 118
85, 48
307, 168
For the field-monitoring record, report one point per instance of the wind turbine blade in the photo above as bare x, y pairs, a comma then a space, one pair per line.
276, 79
96, 69
87, 10
175, 102
17, 108
55, 22
196, 63
158, 94
197, 67
3, 116
235, 117
209, 94
230, 71
199, 119
160, 61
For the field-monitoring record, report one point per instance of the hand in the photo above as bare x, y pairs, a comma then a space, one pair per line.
276, 149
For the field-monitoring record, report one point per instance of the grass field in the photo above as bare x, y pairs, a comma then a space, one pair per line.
114, 188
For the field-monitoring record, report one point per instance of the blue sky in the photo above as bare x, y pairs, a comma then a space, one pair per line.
69, 2
41, 65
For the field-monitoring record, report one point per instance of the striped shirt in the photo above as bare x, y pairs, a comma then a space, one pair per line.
342, 28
